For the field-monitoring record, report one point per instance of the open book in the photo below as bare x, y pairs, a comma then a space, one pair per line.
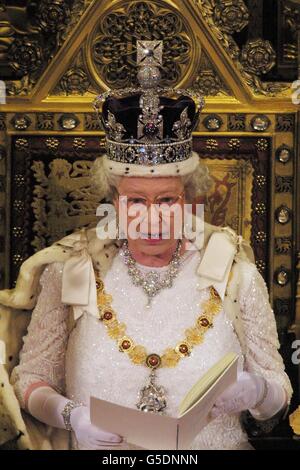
157, 431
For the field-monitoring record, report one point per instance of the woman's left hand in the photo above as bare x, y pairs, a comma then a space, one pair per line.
244, 394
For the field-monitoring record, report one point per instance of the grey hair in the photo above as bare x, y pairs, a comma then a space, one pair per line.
105, 184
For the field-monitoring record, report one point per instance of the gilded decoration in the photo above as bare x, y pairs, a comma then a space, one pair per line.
25, 55
75, 80
30, 37
113, 42
234, 144
44, 121
211, 144
256, 57
261, 180
231, 15
21, 122
91, 122
284, 184
285, 122
65, 194
68, 121
261, 266
21, 143
283, 245
208, 81
52, 143
262, 144
236, 122
284, 154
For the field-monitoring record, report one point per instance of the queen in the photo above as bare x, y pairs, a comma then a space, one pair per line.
156, 305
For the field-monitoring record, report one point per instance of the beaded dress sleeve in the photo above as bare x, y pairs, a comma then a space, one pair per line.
261, 339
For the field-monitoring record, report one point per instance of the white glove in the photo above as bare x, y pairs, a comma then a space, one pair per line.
251, 392
46, 405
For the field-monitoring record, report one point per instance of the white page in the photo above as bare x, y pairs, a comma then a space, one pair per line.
147, 430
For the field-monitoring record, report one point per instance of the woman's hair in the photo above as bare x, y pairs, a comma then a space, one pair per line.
195, 184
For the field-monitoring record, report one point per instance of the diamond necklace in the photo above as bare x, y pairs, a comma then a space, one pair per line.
152, 282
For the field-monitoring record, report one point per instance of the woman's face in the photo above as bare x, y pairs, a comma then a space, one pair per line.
141, 193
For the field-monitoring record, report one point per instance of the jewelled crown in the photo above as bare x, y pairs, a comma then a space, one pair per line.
149, 124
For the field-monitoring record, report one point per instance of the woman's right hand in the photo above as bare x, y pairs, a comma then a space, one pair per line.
87, 434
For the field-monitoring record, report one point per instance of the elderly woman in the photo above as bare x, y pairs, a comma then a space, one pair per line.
149, 291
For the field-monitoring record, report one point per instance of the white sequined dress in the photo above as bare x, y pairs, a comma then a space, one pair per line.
88, 362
